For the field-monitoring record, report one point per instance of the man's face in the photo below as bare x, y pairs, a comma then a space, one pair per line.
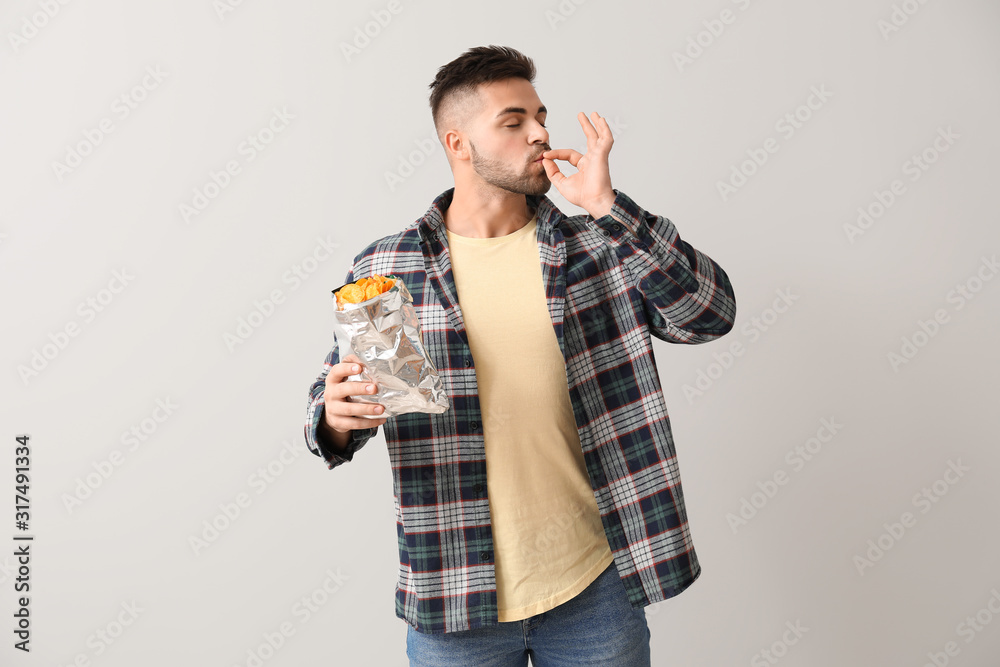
508, 137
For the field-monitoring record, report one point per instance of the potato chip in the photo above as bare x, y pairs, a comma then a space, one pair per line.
352, 293
363, 289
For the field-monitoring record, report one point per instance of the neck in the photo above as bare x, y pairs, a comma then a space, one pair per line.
486, 213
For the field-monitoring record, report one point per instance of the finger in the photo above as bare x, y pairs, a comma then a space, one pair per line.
345, 416
588, 129
605, 139
568, 154
347, 389
600, 125
358, 423
606, 133
350, 366
350, 409
552, 170
338, 399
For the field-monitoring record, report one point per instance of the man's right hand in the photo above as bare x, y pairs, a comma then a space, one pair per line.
339, 413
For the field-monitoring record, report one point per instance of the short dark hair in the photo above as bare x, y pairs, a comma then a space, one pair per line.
478, 65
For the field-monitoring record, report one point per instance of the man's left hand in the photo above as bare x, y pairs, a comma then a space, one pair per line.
590, 187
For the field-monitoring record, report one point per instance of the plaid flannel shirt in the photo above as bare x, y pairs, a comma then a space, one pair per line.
610, 283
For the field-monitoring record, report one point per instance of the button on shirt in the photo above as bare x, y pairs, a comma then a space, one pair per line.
610, 284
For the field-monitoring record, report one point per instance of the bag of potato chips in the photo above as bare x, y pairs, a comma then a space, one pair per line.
375, 320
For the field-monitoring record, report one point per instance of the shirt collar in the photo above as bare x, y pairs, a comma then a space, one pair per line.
433, 221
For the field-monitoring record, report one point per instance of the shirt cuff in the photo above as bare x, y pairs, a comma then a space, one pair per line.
624, 222
358, 438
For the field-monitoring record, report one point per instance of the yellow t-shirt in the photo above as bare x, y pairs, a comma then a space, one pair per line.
549, 542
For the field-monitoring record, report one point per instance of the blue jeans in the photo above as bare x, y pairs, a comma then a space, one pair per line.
597, 627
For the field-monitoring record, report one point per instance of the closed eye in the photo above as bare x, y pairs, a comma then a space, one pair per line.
517, 124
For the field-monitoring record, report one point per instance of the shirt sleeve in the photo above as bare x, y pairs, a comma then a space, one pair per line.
314, 413
686, 295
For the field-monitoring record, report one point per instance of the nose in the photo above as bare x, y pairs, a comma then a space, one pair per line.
539, 134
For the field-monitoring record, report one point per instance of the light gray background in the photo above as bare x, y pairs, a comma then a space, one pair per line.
679, 132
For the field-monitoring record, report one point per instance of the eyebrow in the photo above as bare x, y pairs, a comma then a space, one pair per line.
522, 110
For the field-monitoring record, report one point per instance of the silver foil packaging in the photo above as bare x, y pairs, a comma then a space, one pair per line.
384, 333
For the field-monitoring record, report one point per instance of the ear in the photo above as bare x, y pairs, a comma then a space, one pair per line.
456, 146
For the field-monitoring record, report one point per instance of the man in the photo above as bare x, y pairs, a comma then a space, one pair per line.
542, 512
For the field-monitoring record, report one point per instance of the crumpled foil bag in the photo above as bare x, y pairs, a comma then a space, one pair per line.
384, 333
